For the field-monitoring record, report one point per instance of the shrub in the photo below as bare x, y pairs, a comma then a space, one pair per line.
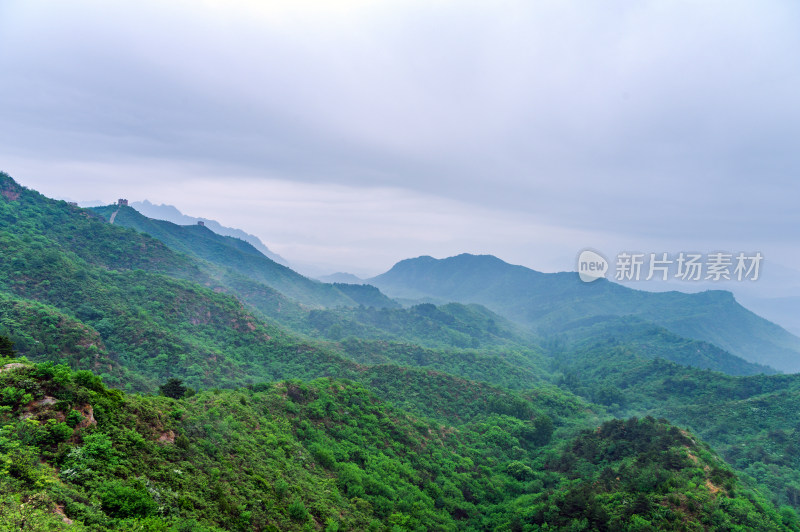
281, 488
518, 470
74, 418
119, 500
323, 456
297, 511
7, 347
89, 380
173, 388
54, 432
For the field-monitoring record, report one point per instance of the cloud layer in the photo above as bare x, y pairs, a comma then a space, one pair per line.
524, 129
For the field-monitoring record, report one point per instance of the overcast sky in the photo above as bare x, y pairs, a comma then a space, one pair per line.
353, 134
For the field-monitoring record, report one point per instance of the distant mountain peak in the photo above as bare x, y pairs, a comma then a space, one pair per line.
476, 256
165, 209
342, 277
460, 258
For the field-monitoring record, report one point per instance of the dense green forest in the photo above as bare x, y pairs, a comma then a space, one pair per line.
160, 377
328, 454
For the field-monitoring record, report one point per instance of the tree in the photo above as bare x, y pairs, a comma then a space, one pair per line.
173, 388
123, 501
7, 347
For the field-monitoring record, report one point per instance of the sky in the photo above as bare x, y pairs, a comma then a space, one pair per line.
350, 135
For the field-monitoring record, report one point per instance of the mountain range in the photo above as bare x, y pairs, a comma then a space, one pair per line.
166, 377
547, 302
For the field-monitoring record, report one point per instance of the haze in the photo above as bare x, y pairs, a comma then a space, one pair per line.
351, 135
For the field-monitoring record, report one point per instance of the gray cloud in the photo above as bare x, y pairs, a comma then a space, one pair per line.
652, 123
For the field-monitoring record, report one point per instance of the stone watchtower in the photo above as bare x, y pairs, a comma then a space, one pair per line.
122, 202
201, 223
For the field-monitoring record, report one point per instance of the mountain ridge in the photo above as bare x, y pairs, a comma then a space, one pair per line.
171, 213
547, 300
238, 255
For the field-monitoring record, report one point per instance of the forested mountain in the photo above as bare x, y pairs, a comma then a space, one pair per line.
751, 421
279, 414
327, 310
544, 301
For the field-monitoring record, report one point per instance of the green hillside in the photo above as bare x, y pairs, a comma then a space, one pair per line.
751, 421
329, 455
452, 325
651, 341
153, 325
